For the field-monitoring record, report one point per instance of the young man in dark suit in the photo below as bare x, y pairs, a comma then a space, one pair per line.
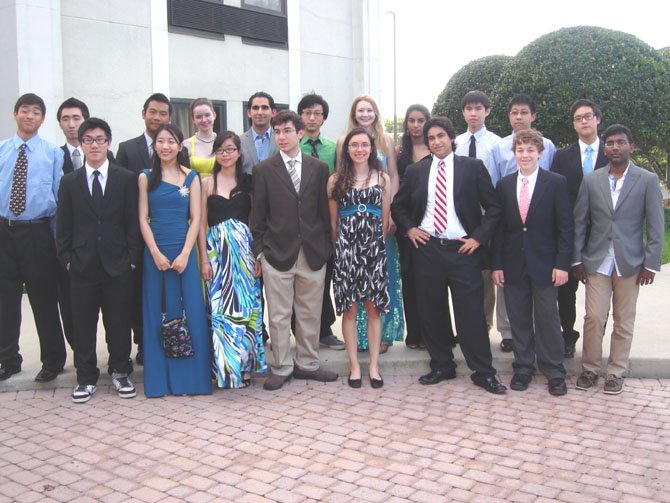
291, 240
98, 243
573, 162
439, 209
531, 259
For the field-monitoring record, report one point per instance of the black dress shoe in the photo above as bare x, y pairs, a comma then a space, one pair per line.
557, 386
569, 351
376, 383
7, 372
506, 345
354, 383
520, 382
139, 358
490, 384
46, 375
435, 376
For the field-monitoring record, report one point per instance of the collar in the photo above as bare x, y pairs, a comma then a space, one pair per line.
264, 135
148, 138
104, 169
595, 146
286, 158
479, 134
447, 160
625, 172
31, 142
531, 178
72, 148
306, 139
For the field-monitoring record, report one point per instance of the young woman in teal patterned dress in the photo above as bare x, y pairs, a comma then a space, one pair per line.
359, 200
227, 266
365, 113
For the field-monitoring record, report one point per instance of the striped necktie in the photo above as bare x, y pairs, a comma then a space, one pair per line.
440, 212
294, 174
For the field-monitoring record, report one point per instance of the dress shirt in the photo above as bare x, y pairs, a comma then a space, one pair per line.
609, 263
485, 141
594, 155
72, 148
326, 149
503, 162
298, 162
532, 179
262, 144
102, 177
150, 144
45, 169
454, 228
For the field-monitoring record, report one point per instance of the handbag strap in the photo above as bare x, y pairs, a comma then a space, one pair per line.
181, 296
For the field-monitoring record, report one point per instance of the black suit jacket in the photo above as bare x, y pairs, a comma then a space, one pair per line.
67, 159
545, 241
86, 240
568, 162
284, 221
472, 191
134, 155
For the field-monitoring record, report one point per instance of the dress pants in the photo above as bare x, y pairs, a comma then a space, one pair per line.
28, 255
536, 328
113, 295
438, 269
567, 299
298, 289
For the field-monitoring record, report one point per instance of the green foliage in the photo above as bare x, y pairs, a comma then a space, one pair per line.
480, 74
388, 127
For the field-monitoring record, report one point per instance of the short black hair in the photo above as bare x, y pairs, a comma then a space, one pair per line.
286, 116
441, 122
309, 100
161, 98
261, 94
73, 103
618, 129
584, 103
30, 99
94, 123
474, 97
521, 99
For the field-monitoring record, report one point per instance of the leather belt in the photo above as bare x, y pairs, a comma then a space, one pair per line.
16, 223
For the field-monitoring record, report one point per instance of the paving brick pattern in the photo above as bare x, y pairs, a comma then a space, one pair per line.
326, 442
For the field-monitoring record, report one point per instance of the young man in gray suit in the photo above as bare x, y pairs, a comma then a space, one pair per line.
613, 206
258, 142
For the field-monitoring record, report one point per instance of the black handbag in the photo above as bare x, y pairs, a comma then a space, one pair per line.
175, 336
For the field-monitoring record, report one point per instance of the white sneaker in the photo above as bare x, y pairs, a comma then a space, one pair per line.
123, 385
83, 393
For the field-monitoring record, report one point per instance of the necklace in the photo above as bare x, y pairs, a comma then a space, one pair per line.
204, 141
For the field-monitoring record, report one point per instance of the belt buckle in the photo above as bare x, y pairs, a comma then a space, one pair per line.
362, 208
9, 223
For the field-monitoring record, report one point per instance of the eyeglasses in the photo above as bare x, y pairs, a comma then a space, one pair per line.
227, 150
88, 140
312, 113
586, 117
618, 143
520, 112
284, 132
356, 146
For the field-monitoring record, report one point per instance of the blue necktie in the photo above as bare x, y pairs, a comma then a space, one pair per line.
587, 167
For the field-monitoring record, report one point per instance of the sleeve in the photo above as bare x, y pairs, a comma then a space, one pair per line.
655, 220
64, 224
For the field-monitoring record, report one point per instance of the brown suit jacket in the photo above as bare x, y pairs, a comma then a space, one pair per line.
284, 221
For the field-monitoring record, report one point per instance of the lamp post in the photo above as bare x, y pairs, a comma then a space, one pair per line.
395, 89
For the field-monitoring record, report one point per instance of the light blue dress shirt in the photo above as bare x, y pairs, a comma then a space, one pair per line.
485, 141
262, 144
503, 162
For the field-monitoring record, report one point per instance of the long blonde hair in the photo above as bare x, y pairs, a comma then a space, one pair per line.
377, 127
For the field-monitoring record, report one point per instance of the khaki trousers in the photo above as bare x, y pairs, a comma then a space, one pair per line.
623, 292
299, 289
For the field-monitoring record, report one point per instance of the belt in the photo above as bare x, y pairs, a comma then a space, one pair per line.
447, 242
373, 209
16, 223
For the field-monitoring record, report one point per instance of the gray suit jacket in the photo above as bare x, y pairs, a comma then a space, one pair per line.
597, 223
249, 156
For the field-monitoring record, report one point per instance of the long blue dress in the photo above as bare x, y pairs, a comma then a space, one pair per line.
169, 214
393, 321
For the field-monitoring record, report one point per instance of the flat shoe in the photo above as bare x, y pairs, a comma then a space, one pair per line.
354, 383
376, 383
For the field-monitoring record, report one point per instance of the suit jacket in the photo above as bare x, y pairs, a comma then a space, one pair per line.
134, 155
249, 155
568, 162
472, 191
598, 224
545, 241
67, 159
284, 221
86, 240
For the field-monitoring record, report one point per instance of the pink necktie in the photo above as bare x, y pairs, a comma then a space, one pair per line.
524, 199
440, 216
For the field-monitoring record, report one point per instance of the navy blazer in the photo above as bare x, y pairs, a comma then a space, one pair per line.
545, 241
568, 162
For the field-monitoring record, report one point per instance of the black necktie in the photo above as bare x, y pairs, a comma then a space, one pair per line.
17, 196
313, 143
96, 192
473, 147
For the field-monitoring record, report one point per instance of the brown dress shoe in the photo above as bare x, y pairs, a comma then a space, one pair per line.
274, 382
319, 374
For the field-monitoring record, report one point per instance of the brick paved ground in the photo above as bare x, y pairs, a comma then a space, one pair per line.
326, 442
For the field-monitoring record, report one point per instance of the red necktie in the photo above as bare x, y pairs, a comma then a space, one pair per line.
440, 214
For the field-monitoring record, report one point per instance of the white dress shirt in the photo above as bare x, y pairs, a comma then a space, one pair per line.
532, 180
298, 162
454, 228
594, 155
102, 177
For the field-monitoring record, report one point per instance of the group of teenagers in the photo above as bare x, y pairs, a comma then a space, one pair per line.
217, 228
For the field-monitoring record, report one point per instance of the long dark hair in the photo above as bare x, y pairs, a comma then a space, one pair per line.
345, 172
218, 141
156, 174
406, 156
